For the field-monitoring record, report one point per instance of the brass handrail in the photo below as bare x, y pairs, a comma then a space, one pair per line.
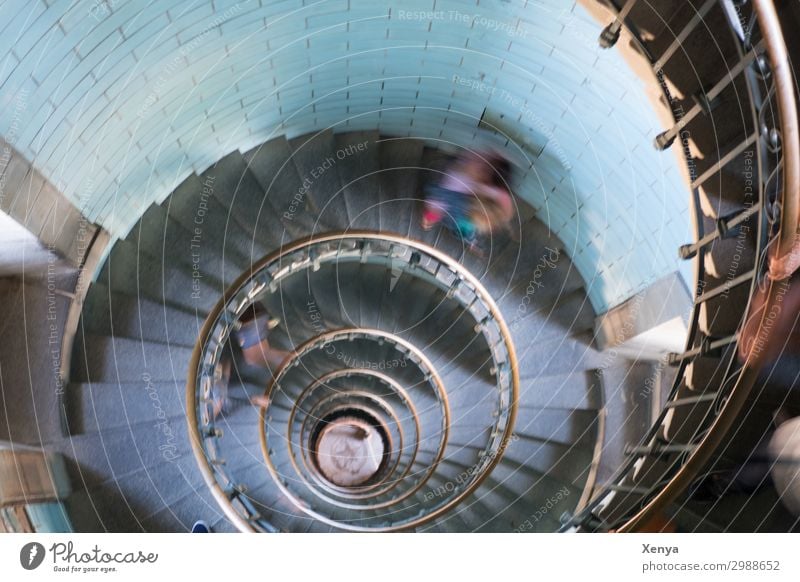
788, 241
219, 310
383, 378
789, 246
310, 466
788, 237
442, 396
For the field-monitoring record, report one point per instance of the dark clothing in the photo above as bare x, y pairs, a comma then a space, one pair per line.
454, 208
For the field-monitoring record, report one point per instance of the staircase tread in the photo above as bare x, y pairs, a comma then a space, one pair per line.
161, 237
314, 156
360, 178
115, 399
130, 272
199, 205
400, 163
103, 358
97, 406
566, 391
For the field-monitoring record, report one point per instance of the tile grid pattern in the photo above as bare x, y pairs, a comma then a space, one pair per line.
125, 99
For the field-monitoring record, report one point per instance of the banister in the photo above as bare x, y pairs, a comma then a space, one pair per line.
786, 259
781, 266
221, 310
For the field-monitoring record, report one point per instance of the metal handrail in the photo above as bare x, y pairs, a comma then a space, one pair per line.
727, 405
788, 237
737, 397
370, 490
381, 486
436, 382
239, 295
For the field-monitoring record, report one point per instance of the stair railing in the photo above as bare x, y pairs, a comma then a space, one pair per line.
624, 504
402, 256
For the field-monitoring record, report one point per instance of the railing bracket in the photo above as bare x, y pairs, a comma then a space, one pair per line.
610, 35
664, 140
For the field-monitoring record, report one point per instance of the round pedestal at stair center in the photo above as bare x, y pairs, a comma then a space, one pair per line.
349, 452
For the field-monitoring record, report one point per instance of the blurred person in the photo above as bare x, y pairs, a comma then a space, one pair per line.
252, 338
493, 208
472, 198
770, 342
448, 200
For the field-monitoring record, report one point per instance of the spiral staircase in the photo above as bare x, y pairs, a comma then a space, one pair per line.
391, 327
471, 382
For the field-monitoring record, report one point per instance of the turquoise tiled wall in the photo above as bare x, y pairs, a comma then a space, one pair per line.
124, 98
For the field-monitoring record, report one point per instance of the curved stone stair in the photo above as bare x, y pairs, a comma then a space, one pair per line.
144, 311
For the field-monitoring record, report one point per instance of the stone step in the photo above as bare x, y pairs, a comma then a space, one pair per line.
132, 273
117, 359
164, 239
284, 208
359, 174
400, 162
558, 356
95, 407
577, 391
315, 157
198, 204
119, 314
572, 428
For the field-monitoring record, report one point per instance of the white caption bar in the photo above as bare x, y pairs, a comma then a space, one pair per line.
397, 557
